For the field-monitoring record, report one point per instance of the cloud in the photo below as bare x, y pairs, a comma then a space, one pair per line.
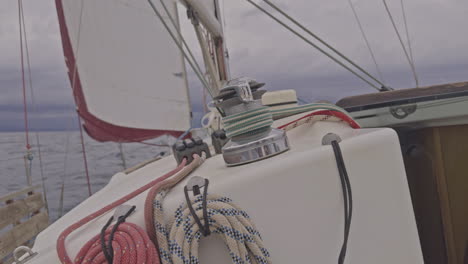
259, 48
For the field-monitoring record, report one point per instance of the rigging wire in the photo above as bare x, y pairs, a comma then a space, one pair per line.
85, 160
402, 44
65, 171
75, 72
176, 26
383, 88
122, 156
408, 39
34, 106
363, 33
199, 75
78, 37
25, 103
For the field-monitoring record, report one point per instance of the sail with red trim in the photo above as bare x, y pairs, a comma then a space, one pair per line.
127, 74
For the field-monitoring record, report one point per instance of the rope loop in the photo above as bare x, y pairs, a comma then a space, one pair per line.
179, 240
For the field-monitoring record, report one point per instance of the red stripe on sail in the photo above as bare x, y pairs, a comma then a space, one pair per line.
97, 128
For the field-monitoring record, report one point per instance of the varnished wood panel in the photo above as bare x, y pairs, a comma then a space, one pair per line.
22, 233
454, 143
438, 177
19, 209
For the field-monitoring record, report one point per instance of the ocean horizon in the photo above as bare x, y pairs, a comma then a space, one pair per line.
63, 163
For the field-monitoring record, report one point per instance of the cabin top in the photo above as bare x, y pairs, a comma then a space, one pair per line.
403, 96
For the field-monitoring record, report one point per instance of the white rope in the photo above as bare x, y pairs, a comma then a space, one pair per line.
179, 239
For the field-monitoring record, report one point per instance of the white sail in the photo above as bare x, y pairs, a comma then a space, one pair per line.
130, 82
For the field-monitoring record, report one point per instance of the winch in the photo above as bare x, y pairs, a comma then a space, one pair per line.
248, 123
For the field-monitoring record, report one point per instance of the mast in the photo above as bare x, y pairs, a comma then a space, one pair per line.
207, 19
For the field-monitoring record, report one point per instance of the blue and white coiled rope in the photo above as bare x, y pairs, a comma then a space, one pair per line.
179, 239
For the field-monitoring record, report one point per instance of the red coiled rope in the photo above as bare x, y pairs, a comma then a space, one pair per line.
131, 244
132, 235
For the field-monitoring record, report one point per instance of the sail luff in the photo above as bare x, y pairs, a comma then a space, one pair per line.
109, 77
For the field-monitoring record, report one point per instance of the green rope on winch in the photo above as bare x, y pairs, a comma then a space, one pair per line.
247, 122
252, 121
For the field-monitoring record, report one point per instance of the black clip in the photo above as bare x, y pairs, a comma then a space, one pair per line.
194, 184
121, 214
219, 139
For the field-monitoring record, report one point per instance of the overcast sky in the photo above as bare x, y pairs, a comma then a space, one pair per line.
258, 48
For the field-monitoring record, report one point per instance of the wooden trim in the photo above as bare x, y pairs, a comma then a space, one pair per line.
444, 197
18, 193
22, 233
18, 209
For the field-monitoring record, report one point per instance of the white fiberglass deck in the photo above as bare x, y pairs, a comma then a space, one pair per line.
295, 200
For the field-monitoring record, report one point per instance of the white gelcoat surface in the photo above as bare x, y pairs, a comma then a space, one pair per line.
294, 199
132, 73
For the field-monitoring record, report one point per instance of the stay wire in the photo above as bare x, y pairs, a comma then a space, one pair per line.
322, 41
413, 70
85, 159
408, 39
174, 24
364, 36
65, 170
166, 26
23, 78
34, 105
316, 46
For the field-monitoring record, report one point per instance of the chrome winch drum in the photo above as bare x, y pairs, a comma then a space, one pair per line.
254, 139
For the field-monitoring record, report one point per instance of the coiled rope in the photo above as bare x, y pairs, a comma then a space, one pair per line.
262, 118
169, 183
88, 250
179, 239
249, 121
130, 244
